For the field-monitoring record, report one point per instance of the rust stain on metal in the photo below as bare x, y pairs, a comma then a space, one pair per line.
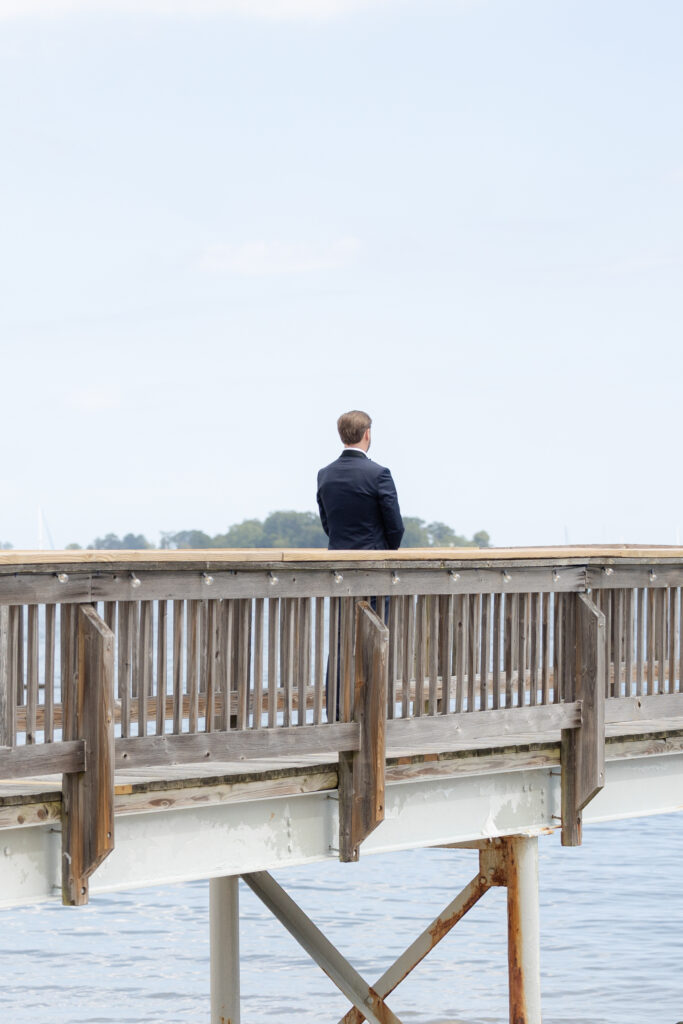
518, 1010
443, 925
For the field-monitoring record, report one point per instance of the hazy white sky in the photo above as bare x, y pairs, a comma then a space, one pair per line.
225, 222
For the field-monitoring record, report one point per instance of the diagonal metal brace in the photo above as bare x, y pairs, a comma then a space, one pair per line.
370, 1004
425, 942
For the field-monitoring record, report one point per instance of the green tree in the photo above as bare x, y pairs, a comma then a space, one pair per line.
443, 536
130, 542
482, 539
415, 535
5, 546
189, 539
247, 534
293, 530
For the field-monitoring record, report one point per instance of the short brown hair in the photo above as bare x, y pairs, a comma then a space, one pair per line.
352, 425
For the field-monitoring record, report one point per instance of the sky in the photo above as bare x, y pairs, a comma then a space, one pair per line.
223, 223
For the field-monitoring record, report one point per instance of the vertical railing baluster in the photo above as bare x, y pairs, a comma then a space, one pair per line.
650, 688
211, 642
533, 647
305, 658
486, 602
257, 706
408, 652
672, 622
273, 658
162, 667
523, 621
191, 681
545, 640
446, 650
333, 661
420, 655
628, 642
319, 660
460, 642
640, 640
31, 673
49, 692
433, 613
178, 635
496, 651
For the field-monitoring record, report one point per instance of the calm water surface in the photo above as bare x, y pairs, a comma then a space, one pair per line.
611, 932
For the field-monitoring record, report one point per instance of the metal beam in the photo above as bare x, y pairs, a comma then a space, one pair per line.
225, 950
424, 943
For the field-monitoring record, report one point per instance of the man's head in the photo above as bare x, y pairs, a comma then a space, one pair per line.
354, 429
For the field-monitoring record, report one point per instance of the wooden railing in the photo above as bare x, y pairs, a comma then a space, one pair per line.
226, 655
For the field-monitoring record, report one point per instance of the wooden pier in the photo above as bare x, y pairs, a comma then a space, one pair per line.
163, 717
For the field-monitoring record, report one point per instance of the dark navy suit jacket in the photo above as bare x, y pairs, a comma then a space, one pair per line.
358, 504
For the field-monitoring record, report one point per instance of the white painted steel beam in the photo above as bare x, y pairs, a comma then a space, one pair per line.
207, 841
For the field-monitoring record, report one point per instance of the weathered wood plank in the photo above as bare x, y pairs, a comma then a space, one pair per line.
258, 662
499, 728
192, 663
88, 796
32, 658
7, 692
273, 658
446, 650
583, 750
42, 759
361, 774
237, 745
319, 660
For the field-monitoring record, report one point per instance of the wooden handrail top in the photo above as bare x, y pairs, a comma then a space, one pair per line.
225, 558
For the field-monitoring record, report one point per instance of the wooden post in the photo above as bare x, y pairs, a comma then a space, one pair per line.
88, 797
225, 950
7, 701
583, 749
361, 773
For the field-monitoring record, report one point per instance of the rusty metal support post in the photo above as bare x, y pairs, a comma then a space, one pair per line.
524, 959
225, 950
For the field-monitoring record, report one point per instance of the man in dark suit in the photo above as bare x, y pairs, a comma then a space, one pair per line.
356, 497
358, 508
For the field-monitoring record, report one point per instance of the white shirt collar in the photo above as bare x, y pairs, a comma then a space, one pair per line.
351, 448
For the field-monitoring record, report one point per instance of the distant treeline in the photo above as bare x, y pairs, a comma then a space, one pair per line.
285, 530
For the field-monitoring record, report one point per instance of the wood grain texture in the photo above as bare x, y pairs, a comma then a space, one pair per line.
361, 773
583, 750
88, 796
236, 745
7, 701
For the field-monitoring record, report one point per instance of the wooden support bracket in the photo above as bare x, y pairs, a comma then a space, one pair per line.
361, 773
87, 796
583, 749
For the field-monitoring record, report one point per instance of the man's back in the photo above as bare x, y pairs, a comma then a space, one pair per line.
358, 504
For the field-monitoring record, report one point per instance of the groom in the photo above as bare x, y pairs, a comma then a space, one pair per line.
356, 497
358, 506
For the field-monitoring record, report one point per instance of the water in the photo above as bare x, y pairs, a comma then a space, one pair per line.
611, 935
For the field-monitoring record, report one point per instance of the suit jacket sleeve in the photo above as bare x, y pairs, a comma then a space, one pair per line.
323, 516
391, 513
